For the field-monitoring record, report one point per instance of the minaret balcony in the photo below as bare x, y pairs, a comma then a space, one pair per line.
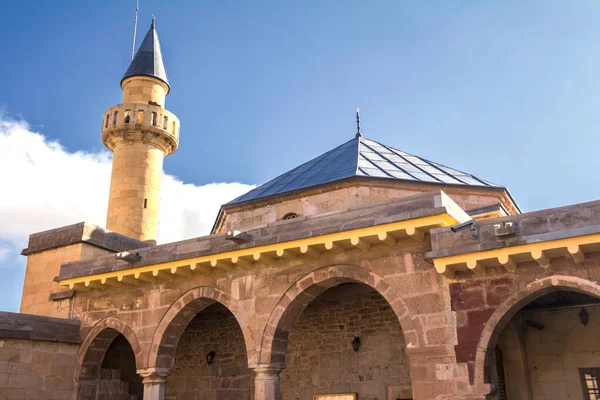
146, 122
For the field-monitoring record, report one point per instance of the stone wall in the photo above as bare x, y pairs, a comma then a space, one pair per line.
228, 376
514, 358
320, 355
475, 300
32, 369
346, 196
38, 356
118, 377
48, 250
556, 353
39, 285
255, 294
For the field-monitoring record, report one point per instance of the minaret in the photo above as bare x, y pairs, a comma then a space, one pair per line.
141, 133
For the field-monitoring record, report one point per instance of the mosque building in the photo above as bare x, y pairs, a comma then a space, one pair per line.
365, 273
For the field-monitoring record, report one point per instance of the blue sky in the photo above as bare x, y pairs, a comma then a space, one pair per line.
508, 91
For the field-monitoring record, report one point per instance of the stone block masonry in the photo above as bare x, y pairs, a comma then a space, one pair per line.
556, 353
38, 357
320, 354
228, 376
290, 319
48, 250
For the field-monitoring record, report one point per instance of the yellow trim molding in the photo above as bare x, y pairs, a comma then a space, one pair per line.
362, 238
510, 257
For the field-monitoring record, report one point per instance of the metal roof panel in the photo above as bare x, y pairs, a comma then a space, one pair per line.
366, 158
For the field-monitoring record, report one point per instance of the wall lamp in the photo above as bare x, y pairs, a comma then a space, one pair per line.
210, 357
584, 316
356, 344
465, 225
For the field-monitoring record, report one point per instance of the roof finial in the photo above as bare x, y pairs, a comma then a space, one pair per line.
153, 21
358, 134
137, 8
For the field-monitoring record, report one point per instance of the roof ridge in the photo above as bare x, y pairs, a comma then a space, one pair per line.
358, 143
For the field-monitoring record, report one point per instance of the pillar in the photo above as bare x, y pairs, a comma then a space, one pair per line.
266, 383
154, 380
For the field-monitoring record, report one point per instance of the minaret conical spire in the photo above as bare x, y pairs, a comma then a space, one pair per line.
148, 60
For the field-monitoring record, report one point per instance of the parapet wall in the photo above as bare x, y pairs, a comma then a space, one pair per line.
47, 250
38, 356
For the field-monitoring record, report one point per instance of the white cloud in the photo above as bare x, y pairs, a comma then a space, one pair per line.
5, 252
44, 186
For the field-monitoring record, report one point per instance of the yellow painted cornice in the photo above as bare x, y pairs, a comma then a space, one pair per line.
510, 257
362, 238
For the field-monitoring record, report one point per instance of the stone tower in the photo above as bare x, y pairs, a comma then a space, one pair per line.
141, 133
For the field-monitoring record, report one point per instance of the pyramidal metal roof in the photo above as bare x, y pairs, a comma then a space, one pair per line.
148, 60
361, 157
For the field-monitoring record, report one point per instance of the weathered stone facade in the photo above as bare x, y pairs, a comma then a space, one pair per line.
38, 357
282, 325
552, 356
345, 196
320, 354
408, 280
227, 377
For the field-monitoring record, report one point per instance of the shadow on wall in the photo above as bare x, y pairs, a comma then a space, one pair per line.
227, 377
321, 357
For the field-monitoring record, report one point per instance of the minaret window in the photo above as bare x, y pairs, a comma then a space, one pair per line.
127, 116
174, 131
106, 120
165, 122
115, 117
153, 120
140, 117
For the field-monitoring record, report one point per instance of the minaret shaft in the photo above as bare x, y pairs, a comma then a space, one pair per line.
134, 198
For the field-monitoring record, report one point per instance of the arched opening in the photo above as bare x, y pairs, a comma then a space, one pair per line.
108, 369
210, 359
200, 313
290, 215
546, 346
322, 354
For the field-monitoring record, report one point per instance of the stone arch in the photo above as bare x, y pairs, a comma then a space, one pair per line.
306, 289
95, 346
511, 306
178, 316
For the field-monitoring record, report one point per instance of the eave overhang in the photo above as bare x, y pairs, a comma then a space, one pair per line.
507, 242
362, 228
510, 257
